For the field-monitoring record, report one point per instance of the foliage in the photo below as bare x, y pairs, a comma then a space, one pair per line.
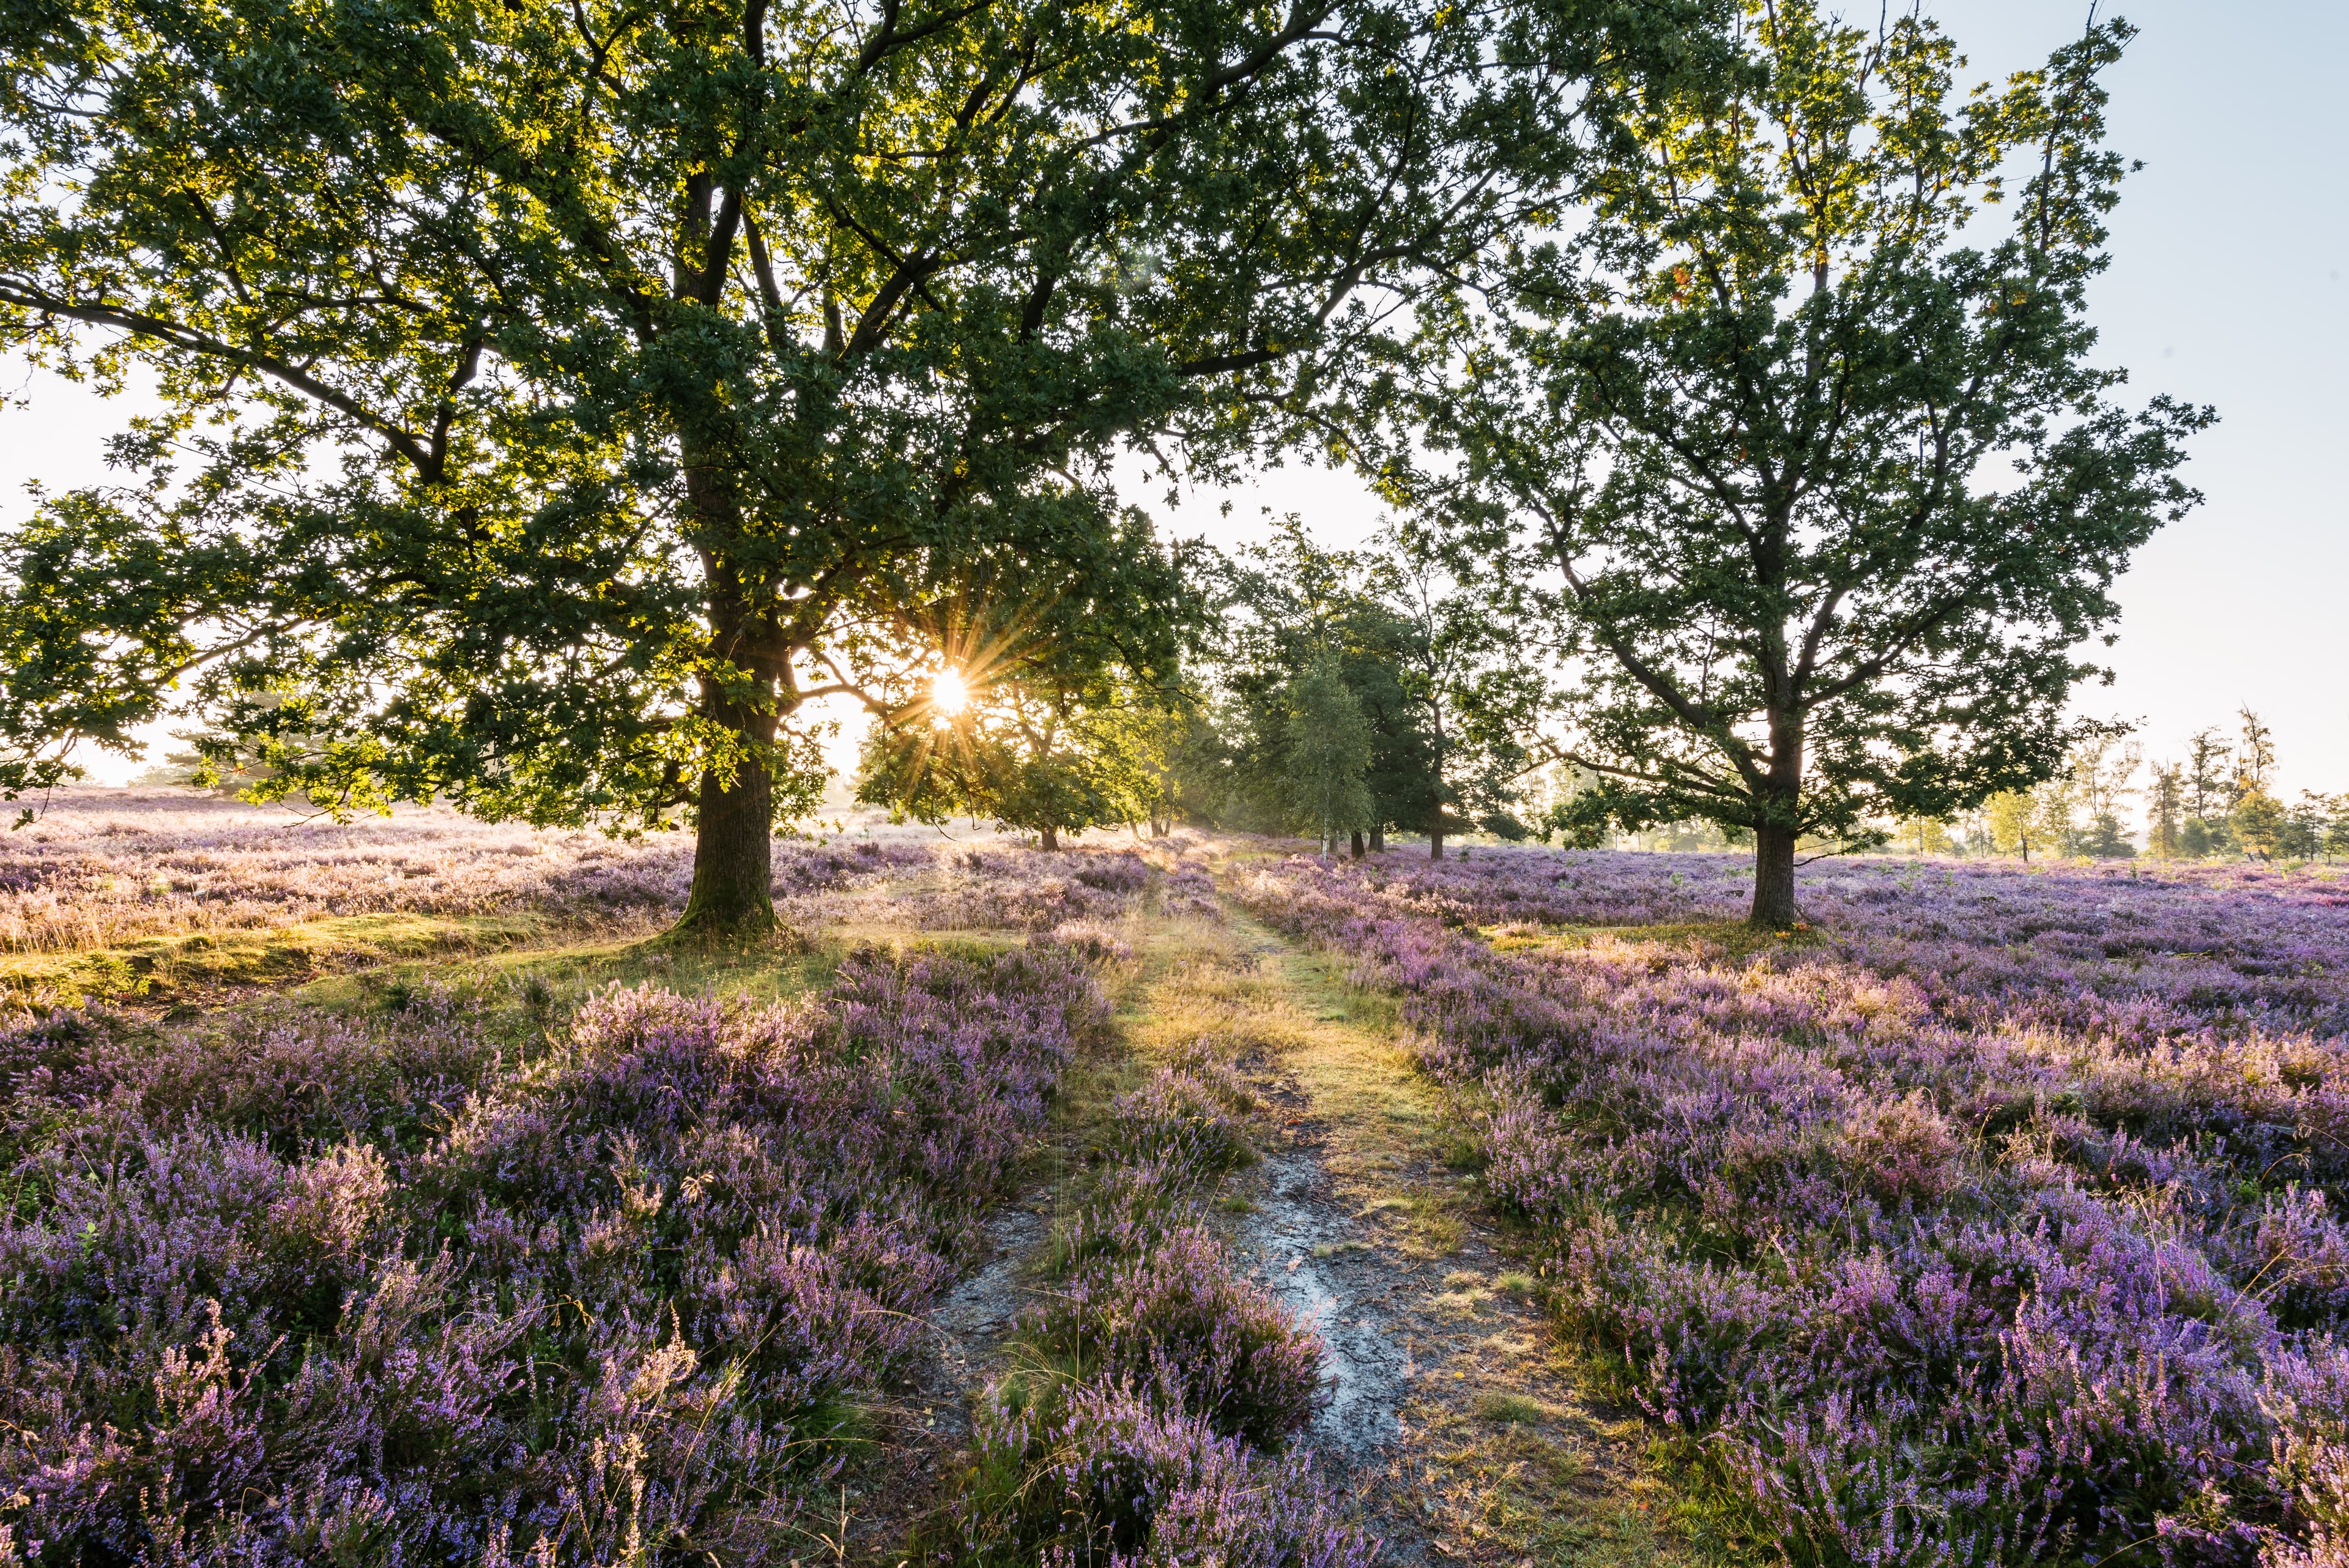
1327, 747
1026, 752
2260, 825
1742, 415
1449, 710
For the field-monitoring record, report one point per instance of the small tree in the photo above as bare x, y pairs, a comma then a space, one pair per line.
1329, 748
2165, 804
2255, 757
2014, 820
2305, 825
1923, 836
1742, 412
2260, 824
1478, 701
2210, 787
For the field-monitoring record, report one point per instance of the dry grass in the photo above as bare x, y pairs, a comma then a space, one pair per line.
1502, 1460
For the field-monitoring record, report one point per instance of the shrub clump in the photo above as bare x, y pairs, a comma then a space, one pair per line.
1181, 1116
1110, 1478
1089, 941
1175, 1320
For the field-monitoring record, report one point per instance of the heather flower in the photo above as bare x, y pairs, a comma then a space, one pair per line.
1183, 1117
602, 1303
1127, 1210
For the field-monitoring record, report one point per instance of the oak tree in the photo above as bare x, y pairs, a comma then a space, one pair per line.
1794, 437
555, 399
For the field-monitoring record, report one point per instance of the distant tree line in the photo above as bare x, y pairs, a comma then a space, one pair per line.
2218, 800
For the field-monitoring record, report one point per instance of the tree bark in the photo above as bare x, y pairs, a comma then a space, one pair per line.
1378, 839
1435, 847
1047, 838
1358, 844
1774, 878
1778, 823
733, 855
733, 851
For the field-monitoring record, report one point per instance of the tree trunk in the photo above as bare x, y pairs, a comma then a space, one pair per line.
1047, 838
733, 855
1358, 844
1379, 839
733, 851
1774, 878
1435, 847
1778, 823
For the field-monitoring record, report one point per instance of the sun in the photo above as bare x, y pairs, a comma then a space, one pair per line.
949, 694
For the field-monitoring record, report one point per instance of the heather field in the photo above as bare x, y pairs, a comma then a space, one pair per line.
1183, 1204
1991, 1218
163, 893
608, 1254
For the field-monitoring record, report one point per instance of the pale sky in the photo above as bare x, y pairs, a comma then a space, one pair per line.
2225, 289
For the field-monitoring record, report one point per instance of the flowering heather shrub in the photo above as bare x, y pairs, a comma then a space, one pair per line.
1117, 871
1089, 941
1176, 1321
1944, 1242
1104, 1477
1129, 1210
1190, 890
293, 1076
1029, 892
606, 1315
99, 868
1184, 1117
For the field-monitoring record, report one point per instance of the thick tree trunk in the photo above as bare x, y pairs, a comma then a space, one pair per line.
1778, 825
1774, 878
1047, 838
733, 852
733, 855
1435, 847
1358, 844
1377, 840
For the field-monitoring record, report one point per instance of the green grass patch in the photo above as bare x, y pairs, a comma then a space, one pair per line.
160, 966
1511, 1409
1732, 939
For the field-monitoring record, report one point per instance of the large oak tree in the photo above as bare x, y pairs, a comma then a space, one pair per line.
1796, 440
556, 397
